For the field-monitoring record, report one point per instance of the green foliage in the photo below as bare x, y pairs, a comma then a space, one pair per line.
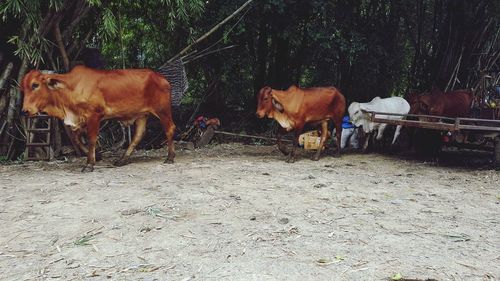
30, 45
365, 48
109, 27
148, 38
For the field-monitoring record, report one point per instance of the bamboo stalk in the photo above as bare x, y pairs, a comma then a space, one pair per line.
186, 49
5, 74
60, 45
15, 95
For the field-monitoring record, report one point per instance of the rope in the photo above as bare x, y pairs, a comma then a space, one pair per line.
249, 136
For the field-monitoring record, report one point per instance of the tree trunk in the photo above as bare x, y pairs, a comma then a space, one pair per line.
5, 75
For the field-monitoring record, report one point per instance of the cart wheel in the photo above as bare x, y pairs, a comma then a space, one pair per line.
497, 153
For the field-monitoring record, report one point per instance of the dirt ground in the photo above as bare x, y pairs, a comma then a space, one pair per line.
238, 212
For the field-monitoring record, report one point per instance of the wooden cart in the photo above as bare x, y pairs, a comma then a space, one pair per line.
460, 128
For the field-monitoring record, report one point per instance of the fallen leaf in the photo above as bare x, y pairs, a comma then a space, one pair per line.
397, 277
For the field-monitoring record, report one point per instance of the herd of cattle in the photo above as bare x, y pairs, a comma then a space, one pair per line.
85, 96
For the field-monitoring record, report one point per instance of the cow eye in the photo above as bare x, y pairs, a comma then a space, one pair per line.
34, 86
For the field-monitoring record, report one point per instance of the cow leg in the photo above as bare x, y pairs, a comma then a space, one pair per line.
324, 135
396, 133
76, 138
380, 131
92, 132
367, 142
354, 140
281, 146
338, 136
169, 127
140, 129
291, 156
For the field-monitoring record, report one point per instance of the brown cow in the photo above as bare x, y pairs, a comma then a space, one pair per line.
296, 107
450, 104
85, 96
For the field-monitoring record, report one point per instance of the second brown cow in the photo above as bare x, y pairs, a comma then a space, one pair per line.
296, 107
437, 103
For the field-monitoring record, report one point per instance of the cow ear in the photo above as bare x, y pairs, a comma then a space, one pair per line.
277, 105
55, 84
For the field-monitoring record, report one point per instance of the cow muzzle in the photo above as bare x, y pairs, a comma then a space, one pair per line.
29, 112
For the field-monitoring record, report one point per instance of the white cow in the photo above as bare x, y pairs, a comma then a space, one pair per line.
388, 105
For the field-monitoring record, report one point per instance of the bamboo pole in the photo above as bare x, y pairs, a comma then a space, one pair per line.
185, 50
60, 45
6, 74
15, 95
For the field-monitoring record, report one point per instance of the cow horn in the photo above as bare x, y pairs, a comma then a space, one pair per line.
278, 105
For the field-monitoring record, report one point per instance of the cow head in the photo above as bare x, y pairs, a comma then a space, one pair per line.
39, 90
423, 105
356, 113
358, 117
267, 103
411, 97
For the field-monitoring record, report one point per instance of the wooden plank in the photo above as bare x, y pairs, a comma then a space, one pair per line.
485, 126
418, 124
479, 128
374, 113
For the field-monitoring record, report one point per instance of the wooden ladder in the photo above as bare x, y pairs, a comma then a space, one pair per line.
38, 137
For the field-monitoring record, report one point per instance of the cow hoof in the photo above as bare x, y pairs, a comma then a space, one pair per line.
284, 150
121, 162
88, 168
169, 161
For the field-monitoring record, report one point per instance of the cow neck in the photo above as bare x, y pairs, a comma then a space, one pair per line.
283, 118
291, 100
63, 105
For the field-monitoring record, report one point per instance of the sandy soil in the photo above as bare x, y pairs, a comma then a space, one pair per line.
236, 212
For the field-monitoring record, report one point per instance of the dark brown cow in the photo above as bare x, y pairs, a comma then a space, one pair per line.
296, 107
450, 104
85, 96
